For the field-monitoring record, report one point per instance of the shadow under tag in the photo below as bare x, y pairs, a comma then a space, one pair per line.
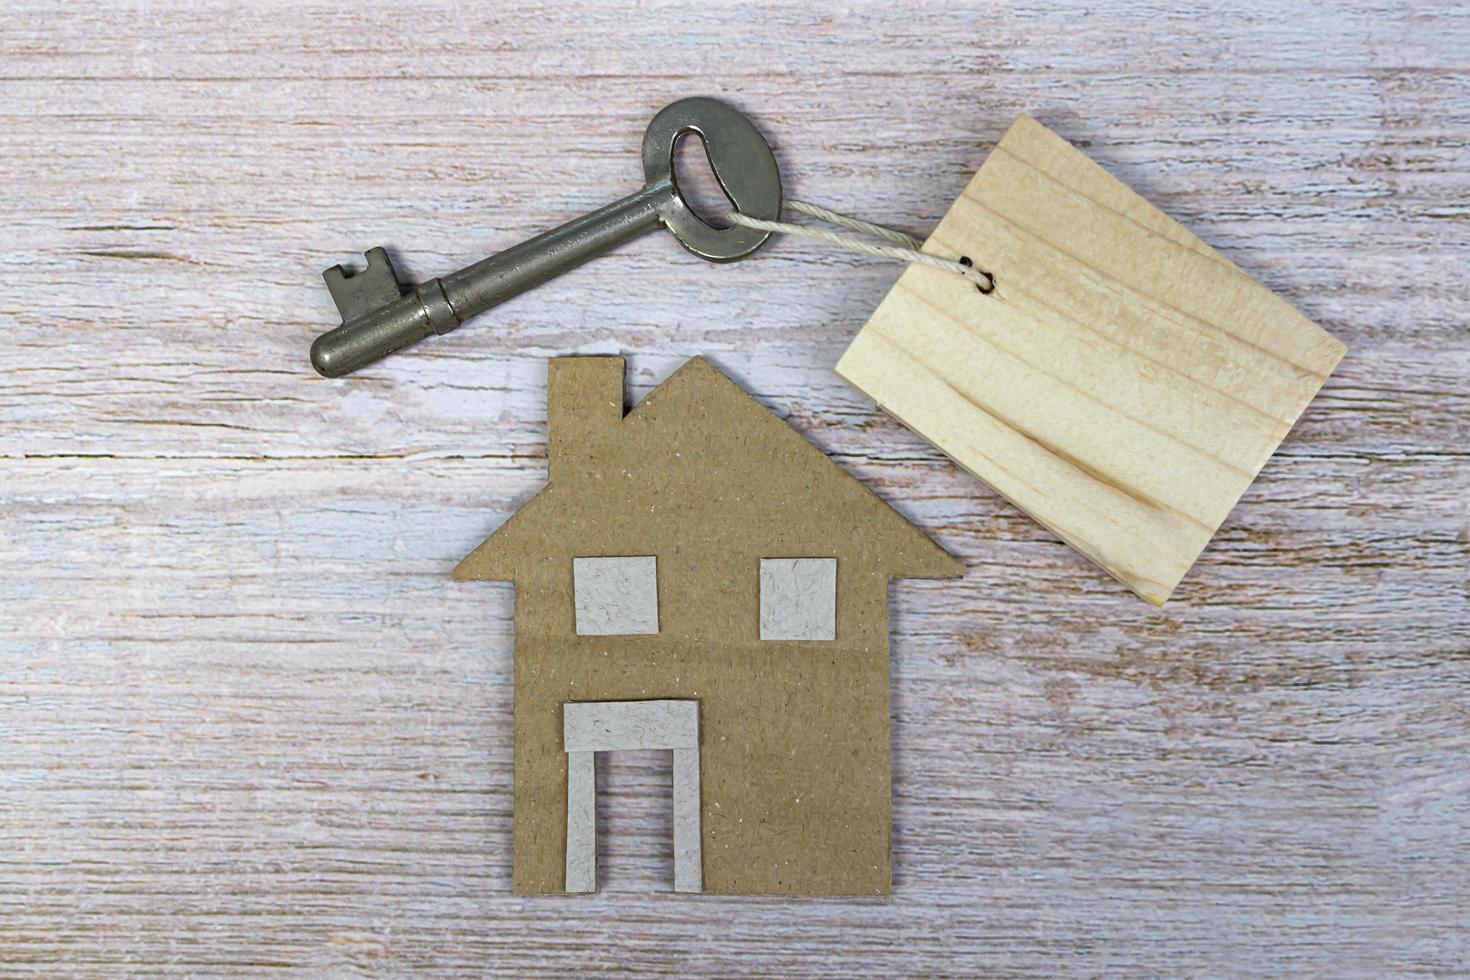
1124, 382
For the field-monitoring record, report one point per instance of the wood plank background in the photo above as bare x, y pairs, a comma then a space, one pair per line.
247, 722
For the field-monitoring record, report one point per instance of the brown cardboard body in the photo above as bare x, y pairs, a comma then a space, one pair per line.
795, 734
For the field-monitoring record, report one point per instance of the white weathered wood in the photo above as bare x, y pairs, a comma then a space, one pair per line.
247, 724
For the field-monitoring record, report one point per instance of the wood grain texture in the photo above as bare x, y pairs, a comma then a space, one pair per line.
1121, 381
247, 723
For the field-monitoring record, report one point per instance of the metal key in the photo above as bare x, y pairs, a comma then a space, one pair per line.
379, 317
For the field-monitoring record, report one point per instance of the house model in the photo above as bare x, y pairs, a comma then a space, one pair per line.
698, 577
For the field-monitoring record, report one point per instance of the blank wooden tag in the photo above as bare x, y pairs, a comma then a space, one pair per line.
1124, 382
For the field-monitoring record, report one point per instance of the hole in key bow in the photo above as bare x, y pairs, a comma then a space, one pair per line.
695, 180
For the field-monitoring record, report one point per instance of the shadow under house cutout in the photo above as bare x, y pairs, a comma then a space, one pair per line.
699, 578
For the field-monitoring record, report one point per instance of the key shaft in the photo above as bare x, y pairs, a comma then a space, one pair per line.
492, 281
440, 305
379, 316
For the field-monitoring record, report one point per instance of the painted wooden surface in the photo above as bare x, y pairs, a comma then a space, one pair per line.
248, 723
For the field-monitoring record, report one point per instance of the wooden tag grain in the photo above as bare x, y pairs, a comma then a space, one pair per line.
1123, 384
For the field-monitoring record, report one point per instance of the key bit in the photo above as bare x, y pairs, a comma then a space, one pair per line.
379, 316
358, 293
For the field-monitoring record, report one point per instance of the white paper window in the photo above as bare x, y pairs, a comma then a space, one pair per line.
615, 596
798, 598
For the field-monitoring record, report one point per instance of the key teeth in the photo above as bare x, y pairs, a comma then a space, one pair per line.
357, 293
334, 278
378, 262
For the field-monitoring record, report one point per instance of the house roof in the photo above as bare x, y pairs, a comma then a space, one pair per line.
697, 460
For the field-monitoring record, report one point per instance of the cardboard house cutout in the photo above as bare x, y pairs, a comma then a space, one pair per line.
698, 577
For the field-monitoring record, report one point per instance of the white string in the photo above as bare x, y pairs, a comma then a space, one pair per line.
908, 249
855, 224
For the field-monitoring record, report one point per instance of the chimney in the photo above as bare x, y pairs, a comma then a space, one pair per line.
584, 402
